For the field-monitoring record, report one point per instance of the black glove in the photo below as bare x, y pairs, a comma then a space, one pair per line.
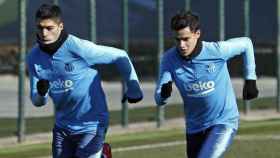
43, 86
131, 100
166, 90
250, 90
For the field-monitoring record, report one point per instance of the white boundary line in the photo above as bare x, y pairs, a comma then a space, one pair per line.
257, 137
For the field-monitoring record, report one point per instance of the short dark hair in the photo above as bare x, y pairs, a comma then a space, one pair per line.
48, 11
185, 19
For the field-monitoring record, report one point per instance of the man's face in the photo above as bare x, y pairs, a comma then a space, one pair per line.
49, 30
186, 40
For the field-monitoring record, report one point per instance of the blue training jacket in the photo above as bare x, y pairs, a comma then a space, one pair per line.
204, 82
75, 86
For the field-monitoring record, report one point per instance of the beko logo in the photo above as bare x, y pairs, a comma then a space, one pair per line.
60, 86
200, 88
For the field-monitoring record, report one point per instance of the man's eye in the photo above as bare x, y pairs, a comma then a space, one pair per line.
182, 39
49, 28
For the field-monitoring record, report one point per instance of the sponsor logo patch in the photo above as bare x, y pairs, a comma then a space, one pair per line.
200, 88
61, 86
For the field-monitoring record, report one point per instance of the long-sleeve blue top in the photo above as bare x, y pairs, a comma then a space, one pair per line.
204, 82
75, 86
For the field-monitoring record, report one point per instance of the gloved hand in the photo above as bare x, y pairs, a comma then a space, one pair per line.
42, 87
166, 90
250, 90
134, 88
131, 100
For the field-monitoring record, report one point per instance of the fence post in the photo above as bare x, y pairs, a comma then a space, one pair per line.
187, 5
92, 10
55, 2
21, 68
222, 19
125, 45
278, 56
160, 5
247, 34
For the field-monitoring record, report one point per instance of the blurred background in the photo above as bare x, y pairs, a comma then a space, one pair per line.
142, 28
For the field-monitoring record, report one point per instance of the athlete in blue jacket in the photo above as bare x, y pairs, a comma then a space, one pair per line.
199, 70
61, 66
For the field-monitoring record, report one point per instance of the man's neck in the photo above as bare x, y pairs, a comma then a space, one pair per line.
53, 47
196, 51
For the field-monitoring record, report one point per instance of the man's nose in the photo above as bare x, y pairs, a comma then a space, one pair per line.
44, 32
181, 43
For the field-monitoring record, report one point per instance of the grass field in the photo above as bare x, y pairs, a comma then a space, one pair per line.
143, 114
256, 139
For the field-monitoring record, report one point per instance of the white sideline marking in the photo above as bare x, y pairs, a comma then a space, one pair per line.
257, 137
167, 144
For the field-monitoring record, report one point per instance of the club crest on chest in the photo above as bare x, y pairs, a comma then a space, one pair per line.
211, 68
69, 67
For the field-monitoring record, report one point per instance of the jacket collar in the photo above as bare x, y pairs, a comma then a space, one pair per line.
196, 51
53, 47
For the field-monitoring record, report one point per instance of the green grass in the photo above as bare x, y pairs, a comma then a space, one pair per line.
259, 103
177, 151
143, 114
26, 151
33, 125
142, 138
254, 149
269, 127
240, 148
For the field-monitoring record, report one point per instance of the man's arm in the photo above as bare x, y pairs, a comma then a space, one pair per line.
38, 89
240, 46
164, 84
97, 54
243, 46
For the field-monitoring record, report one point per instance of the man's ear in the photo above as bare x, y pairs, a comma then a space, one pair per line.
61, 26
197, 33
